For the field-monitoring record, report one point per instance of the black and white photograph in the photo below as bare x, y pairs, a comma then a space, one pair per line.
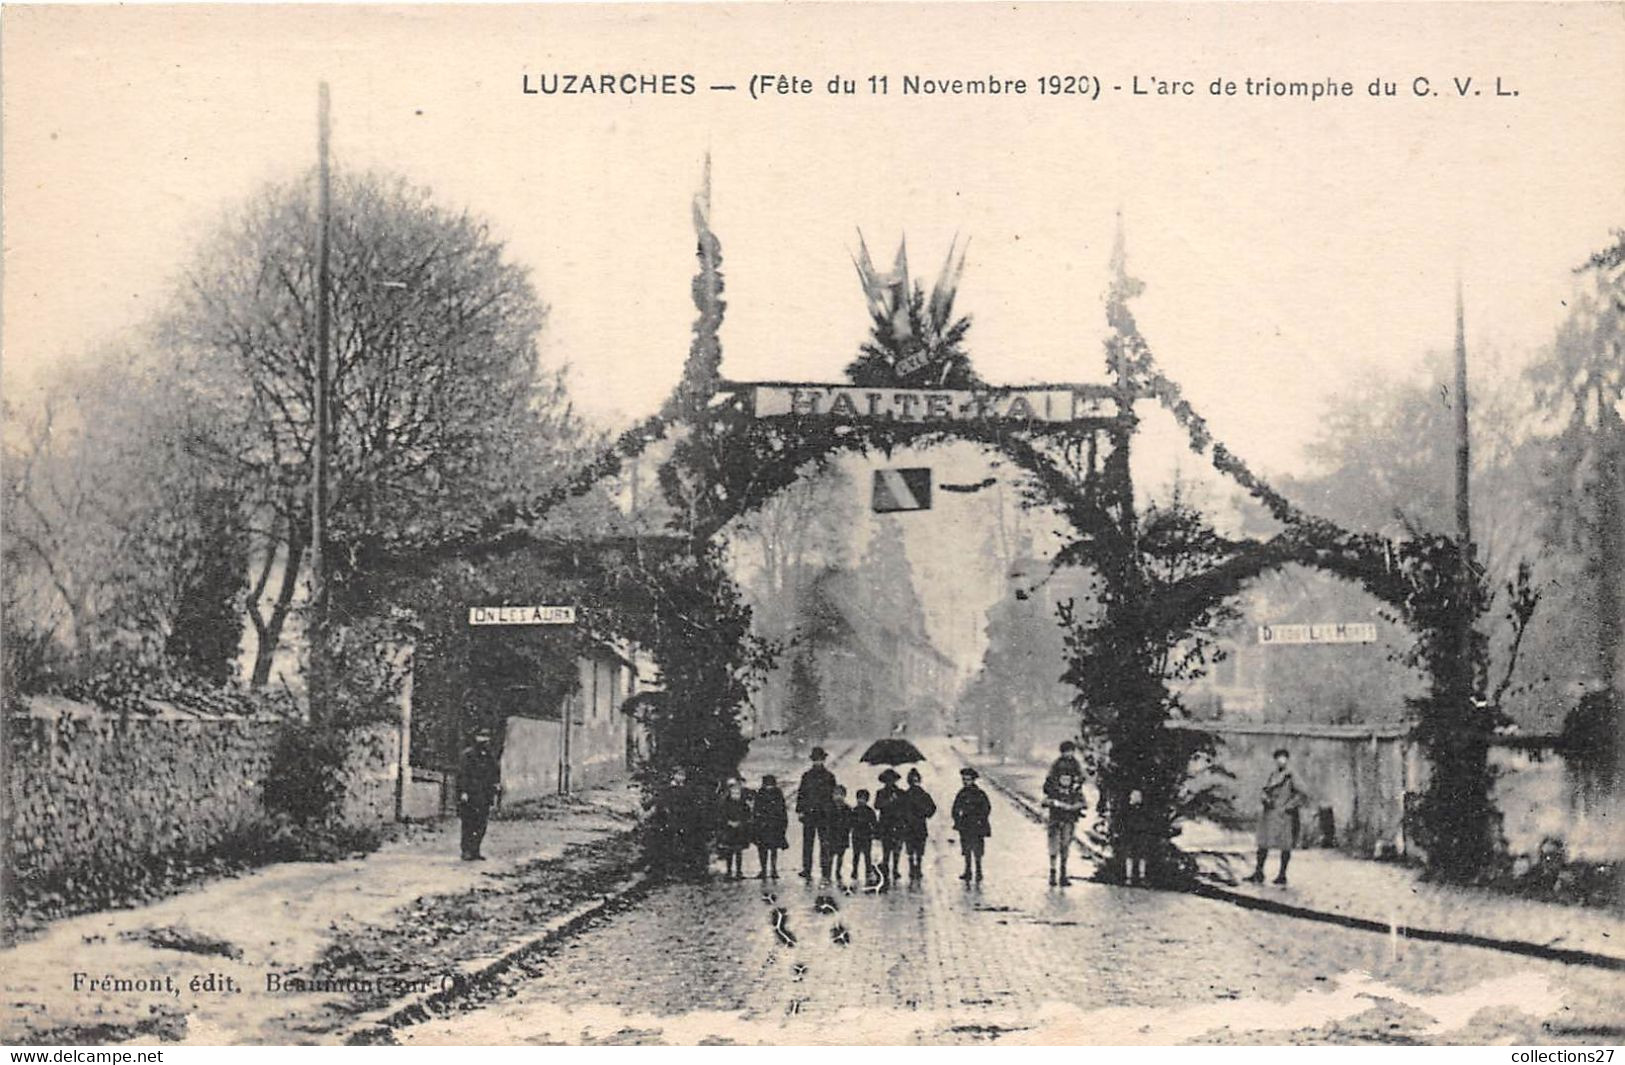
813, 525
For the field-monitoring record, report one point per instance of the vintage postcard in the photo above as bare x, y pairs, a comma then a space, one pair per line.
814, 524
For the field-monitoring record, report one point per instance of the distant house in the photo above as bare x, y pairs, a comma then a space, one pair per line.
557, 743
1322, 683
874, 671
565, 709
593, 736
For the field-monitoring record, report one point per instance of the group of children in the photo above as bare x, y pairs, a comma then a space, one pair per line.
898, 820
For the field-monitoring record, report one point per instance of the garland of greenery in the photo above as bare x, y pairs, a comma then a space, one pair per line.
690, 615
1429, 581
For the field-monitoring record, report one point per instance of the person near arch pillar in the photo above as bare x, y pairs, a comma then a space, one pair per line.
1136, 839
769, 819
734, 827
1063, 799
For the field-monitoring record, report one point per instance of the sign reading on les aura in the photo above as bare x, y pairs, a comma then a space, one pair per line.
521, 615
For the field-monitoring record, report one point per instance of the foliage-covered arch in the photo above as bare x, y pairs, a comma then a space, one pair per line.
726, 463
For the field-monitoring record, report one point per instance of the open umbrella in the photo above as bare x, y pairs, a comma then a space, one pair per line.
893, 750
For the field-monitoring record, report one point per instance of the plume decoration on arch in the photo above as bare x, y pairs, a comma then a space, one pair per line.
915, 341
703, 367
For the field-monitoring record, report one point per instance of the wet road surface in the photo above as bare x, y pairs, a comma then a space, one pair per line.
1011, 959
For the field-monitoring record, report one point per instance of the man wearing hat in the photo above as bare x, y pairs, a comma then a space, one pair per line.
815, 800
478, 783
971, 815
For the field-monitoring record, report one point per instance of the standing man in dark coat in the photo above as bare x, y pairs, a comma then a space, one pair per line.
972, 812
478, 784
815, 798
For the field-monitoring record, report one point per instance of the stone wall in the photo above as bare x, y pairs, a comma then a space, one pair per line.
601, 735
372, 771
87, 789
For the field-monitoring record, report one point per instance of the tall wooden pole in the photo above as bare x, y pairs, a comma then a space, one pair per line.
1464, 524
320, 439
1464, 527
1124, 434
1138, 730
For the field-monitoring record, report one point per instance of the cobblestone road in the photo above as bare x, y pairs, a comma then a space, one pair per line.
1012, 960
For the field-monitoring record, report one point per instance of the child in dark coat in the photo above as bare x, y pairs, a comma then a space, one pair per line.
891, 810
920, 808
734, 828
770, 820
971, 813
865, 826
1136, 837
840, 829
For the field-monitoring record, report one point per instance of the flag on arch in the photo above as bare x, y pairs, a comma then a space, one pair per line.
905, 489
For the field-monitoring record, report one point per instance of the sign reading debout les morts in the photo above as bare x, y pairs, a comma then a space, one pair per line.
927, 405
1353, 632
521, 615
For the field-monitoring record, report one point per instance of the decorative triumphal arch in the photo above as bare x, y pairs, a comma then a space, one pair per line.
733, 444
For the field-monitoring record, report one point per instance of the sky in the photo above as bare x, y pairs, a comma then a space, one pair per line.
1290, 247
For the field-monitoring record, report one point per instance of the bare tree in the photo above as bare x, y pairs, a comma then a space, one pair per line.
440, 411
105, 516
802, 529
1580, 390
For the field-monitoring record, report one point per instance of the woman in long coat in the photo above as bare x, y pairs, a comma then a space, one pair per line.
1278, 825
